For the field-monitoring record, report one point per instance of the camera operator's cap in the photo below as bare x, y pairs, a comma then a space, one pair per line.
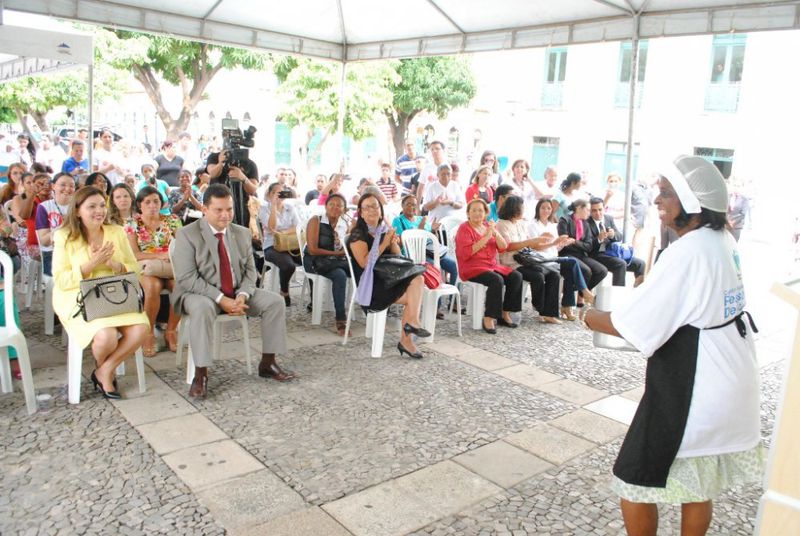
698, 183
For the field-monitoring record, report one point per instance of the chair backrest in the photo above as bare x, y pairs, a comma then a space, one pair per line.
451, 241
447, 223
8, 290
415, 242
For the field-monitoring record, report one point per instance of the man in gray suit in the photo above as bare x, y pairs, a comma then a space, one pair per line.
215, 273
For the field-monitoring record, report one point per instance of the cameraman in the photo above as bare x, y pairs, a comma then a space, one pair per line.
242, 180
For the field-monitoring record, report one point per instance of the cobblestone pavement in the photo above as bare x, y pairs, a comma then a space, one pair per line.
350, 447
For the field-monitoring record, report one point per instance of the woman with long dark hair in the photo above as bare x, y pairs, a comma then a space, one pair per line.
371, 238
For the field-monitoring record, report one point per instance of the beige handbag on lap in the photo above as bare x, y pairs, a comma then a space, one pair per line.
161, 268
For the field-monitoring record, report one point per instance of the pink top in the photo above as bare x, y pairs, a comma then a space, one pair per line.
474, 192
484, 260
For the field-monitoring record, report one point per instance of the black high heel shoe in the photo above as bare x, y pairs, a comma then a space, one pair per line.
111, 395
505, 323
402, 349
490, 331
419, 332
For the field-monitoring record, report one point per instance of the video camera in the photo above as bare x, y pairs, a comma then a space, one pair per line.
233, 141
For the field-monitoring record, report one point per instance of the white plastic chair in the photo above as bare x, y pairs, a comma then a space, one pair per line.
376, 321
11, 335
49, 314
216, 336
33, 280
415, 242
75, 364
270, 277
320, 290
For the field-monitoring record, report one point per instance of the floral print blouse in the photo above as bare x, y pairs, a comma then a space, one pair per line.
158, 241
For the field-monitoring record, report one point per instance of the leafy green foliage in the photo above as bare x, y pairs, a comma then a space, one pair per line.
436, 84
310, 91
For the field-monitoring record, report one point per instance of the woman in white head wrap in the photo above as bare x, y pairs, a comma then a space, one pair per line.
697, 430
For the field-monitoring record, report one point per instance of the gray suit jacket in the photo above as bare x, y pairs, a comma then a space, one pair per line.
195, 261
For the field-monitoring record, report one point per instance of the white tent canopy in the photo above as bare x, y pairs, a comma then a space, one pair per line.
352, 30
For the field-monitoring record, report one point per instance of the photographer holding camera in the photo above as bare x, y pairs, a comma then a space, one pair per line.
240, 176
279, 222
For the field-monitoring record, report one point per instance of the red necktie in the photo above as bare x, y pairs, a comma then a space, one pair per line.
225, 273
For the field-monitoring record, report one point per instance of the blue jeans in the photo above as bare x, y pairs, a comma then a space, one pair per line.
338, 277
47, 263
573, 279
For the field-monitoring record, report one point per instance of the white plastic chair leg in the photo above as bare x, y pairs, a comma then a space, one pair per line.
458, 313
33, 271
378, 330
189, 365
5, 371
139, 356
246, 343
120, 369
49, 315
27, 374
183, 335
317, 301
74, 364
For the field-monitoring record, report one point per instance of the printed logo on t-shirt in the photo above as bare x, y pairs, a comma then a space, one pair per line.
734, 301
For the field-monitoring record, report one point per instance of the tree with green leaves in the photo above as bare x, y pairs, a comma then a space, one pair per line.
187, 64
36, 96
436, 85
310, 90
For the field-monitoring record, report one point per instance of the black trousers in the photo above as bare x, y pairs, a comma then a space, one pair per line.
286, 263
495, 302
618, 267
544, 289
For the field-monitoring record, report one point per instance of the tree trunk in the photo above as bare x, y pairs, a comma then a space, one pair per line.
311, 155
398, 124
41, 120
22, 118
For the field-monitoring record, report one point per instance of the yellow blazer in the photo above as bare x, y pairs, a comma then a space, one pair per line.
68, 256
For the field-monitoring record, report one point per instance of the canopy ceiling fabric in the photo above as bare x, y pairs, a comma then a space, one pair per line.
26, 50
353, 30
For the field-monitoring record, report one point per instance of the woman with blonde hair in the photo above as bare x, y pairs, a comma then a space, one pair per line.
86, 247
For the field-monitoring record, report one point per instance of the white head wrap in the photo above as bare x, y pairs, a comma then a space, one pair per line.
698, 184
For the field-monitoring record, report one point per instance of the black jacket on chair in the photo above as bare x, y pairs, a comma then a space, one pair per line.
608, 223
581, 248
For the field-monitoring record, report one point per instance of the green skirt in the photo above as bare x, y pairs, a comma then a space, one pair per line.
699, 479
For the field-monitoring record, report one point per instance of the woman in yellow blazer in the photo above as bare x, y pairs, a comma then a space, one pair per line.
86, 248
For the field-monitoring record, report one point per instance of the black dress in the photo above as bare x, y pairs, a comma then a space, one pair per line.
382, 297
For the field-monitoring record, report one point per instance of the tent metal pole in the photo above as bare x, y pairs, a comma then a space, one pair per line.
631, 116
90, 144
340, 121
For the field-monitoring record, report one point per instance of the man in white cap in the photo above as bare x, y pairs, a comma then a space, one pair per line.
697, 429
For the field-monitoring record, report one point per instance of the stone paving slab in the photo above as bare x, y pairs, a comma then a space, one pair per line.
486, 360
590, 425
615, 407
528, 376
50, 377
209, 464
153, 405
309, 522
383, 510
450, 346
550, 444
574, 392
251, 500
447, 487
182, 432
350, 421
502, 463
634, 394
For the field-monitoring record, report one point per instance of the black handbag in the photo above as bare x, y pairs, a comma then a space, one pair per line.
533, 258
394, 269
102, 297
325, 263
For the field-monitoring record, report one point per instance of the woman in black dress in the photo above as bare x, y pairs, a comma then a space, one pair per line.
408, 292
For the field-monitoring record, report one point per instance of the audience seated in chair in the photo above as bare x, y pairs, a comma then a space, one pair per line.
604, 232
215, 273
278, 216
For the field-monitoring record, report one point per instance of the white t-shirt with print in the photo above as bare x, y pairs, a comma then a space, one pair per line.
697, 281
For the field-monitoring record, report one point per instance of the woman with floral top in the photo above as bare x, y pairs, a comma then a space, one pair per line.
150, 234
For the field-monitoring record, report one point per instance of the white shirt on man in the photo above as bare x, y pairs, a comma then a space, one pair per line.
434, 190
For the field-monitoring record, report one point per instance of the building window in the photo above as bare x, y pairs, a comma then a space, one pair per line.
555, 71
721, 158
616, 159
623, 90
727, 65
545, 153
283, 144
